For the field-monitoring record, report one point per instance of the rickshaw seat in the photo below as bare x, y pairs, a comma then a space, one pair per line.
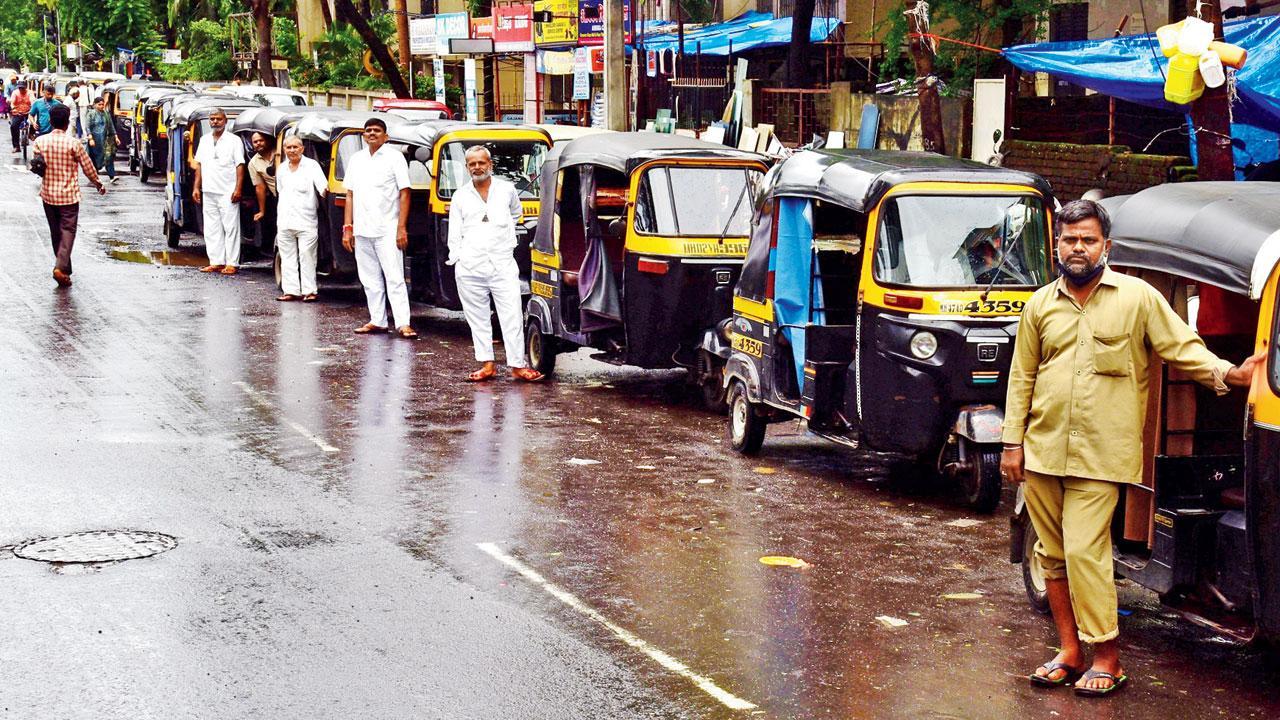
1232, 498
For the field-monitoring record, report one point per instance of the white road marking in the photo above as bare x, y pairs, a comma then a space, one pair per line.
703, 683
259, 399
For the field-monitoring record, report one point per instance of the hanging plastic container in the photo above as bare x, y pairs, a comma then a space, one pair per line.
1211, 70
1167, 35
1231, 55
1195, 37
1184, 83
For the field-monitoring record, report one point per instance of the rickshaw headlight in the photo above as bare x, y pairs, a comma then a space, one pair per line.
924, 345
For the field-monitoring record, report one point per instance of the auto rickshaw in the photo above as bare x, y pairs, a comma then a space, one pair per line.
439, 146
640, 240
149, 148
120, 97
1203, 529
187, 123
879, 301
331, 137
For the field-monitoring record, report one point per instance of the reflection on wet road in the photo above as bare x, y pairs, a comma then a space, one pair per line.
361, 534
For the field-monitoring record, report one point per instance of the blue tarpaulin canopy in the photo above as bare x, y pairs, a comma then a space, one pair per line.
1132, 68
748, 31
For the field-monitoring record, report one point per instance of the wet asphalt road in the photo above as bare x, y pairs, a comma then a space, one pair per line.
360, 534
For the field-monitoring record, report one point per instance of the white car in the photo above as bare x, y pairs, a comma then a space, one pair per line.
271, 96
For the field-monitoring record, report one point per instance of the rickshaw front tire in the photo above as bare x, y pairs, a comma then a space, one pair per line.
540, 350
1032, 575
172, 233
983, 485
143, 173
746, 426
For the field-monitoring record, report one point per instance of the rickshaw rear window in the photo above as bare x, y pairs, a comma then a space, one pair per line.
518, 162
962, 241
697, 201
348, 146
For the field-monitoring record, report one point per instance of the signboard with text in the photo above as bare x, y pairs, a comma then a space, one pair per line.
172, 56
422, 36
469, 90
482, 27
449, 26
581, 74
513, 28
591, 22
437, 71
563, 28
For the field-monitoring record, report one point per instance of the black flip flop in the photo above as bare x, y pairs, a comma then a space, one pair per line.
1116, 683
1071, 675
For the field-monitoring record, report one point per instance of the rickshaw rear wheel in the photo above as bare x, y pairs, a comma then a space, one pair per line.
982, 484
710, 379
277, 270
540, 349
746, 426
144, 173
171, 232
1032, 573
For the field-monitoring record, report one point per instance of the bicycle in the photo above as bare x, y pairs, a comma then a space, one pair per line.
24, 132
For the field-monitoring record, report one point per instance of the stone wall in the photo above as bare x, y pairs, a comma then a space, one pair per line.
1074, 169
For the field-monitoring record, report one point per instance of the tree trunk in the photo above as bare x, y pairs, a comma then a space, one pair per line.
262, 27
798, 53
348, 12
327, 14
1211, 115
402, 34
926, 86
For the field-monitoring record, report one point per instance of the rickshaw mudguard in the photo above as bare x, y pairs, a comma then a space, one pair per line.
1017, 526
741, 367
981, 424
539, 310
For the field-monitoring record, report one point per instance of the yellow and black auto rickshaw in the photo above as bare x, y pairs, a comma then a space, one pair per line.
439, 148
149, 146
188, 123
879, 301
1203, 528
639, 244
120, 98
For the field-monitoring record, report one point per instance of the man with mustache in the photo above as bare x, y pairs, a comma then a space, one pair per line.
482, 239
1073, 429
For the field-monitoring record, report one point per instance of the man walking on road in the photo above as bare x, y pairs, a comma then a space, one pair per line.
217, 187
300, 183
374, 228
63, 156
1073, 429
482, 240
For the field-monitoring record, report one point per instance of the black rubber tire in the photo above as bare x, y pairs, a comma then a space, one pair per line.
710, 379
133, 165
277, 271
144, 173
540, 350
746, 426
172, 233
1032, 575
982, 484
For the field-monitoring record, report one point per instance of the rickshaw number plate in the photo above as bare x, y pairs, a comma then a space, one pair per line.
748, 345
987, 352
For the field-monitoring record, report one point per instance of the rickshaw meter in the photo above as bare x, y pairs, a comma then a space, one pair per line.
924, 345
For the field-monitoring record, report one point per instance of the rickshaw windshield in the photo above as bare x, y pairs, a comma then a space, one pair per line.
348, 146
518, 162
126, 100
697, 201
962, 241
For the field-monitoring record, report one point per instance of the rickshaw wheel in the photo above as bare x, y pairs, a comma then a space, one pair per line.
171, 232
277, 270
540, 349
143, 172
1032, 574
710, 377
746, 428
982, 482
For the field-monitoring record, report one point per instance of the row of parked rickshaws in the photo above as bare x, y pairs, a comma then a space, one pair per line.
873, 294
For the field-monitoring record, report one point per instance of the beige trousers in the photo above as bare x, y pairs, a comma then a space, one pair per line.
1072, 517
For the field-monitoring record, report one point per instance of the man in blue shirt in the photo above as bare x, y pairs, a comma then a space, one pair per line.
40, 111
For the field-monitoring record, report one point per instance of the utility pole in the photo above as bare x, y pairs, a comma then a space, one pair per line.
1211, 115
926, 81
615, 67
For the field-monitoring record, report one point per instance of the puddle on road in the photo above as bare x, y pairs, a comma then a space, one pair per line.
118, 250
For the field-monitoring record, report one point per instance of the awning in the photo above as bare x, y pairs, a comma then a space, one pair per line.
749, 31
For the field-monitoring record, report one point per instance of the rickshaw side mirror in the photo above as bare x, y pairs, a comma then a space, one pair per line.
422, 155
617, 228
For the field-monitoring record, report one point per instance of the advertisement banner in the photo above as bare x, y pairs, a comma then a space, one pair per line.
469, 89
513, 28
597, 60
449, 26
437, 69
555, 62
581, 74
563, 28
422, 36
172, 56
651, 63
482, 27
591, 22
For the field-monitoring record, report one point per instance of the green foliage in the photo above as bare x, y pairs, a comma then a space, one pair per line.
424, 88
980, 22
208, 55
21, 36
112, 23
340, 59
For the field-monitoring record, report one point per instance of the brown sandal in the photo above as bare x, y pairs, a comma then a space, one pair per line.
212, 268
369, 329
310, 297
408, 333
230, 270
528, 375
287, 298
481, 375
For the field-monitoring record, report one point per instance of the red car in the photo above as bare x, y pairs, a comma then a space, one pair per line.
413, 109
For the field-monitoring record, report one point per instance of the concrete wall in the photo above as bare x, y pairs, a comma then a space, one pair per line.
899, 119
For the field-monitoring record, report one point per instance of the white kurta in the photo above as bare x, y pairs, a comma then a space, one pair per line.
375, 181
218, 159
296, 224
482, 237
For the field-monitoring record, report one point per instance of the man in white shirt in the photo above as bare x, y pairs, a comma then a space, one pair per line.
377, 209
300, 183
482, 238
217, 188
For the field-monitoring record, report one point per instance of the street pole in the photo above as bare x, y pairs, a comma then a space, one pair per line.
615, 71
926, 82
1211, 116
57, 35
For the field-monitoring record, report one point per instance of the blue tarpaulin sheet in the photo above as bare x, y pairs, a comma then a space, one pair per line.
1132, 68
792, 272
748, 31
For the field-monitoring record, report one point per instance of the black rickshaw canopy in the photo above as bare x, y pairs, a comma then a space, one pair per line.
1226, 234
623, 152
857, 179
271, 119
325, 125
199, 107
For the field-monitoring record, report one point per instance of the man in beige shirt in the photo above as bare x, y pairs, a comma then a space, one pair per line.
1073, 428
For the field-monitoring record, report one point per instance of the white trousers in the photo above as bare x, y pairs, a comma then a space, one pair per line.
480, 280
380, 265
221, 229
297, 260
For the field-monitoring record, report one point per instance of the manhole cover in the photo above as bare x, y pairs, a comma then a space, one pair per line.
96, 546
